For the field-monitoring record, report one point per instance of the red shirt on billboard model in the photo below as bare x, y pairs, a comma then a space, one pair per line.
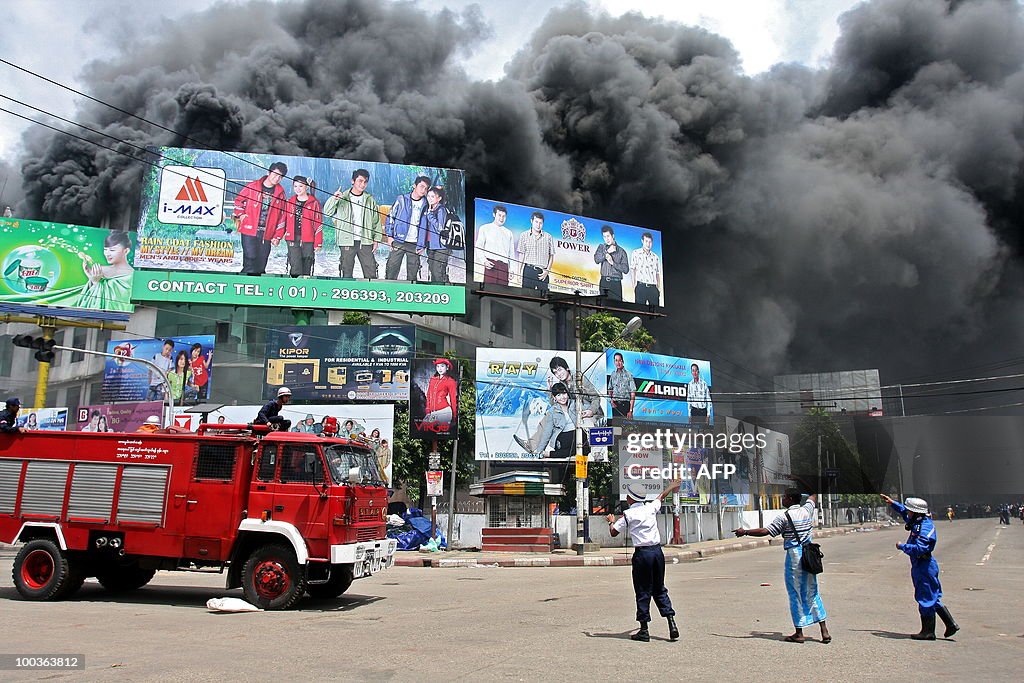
442, 392
200, 366
311, 230
249, 206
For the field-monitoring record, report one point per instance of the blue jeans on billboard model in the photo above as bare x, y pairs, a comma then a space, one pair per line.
255, 252
647, 295
399, 251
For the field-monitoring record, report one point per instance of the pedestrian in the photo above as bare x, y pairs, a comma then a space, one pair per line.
9, 416
641, 518
924, 570
805, 605
849, 515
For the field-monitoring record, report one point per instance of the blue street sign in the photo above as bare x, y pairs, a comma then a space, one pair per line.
601, 436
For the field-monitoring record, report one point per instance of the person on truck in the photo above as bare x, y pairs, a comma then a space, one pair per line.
151, 424
270, 413
9, 416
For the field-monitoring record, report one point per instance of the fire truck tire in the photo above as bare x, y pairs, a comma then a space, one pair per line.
124, 578
272, 578
341, 579
75, 579
41, 570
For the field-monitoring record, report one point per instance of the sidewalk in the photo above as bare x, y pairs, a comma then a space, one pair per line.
606, 557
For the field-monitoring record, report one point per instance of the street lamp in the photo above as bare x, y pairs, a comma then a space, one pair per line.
581, 461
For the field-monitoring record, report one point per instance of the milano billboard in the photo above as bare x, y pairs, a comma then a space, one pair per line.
392, 233
550, 251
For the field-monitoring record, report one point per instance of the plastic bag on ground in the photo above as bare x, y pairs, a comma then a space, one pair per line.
230, 605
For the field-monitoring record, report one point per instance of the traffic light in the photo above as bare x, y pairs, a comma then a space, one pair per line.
43, 346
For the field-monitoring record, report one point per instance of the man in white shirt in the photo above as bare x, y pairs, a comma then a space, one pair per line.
645, 266
495, 247
698, 396
641, 518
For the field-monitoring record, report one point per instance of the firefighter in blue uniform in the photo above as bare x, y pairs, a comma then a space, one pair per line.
924, 570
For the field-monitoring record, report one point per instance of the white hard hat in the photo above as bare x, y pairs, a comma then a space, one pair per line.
152, 420
917, 505
284, 391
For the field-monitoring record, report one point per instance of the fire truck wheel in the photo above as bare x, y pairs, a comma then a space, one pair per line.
41, 570
341, 579
272, 578
123, 578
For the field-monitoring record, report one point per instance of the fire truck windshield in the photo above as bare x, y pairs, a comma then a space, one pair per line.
341, 458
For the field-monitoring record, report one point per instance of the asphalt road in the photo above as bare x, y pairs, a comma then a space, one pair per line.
556, 623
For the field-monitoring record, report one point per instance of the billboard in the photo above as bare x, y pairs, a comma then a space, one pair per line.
653, 388
117, 417
188, 362
224, 214
774, 451
434, 399
85, 272
776, 463
550, 251
643, 467
376, 423
526, 406
340, 362
43, 419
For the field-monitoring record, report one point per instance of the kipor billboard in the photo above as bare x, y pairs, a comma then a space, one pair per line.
649, 387
550, 251
83, 272
228, 216
526, 404
340, 362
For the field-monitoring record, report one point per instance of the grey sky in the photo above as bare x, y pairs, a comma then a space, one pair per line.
763, 31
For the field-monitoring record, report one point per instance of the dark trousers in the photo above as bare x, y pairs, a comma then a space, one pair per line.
300, 258
531, 278
399, 251
621, 408
255, 252
612, 288
649, 582
437, 260
698, 415
647, 295
367, 261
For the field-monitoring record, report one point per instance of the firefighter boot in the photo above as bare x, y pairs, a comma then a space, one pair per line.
673, 630
947, 619
927, 628
643, 635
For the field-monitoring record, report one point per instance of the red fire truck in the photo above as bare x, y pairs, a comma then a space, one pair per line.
282, 513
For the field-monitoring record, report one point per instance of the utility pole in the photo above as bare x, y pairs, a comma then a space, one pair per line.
819, 462
451, 489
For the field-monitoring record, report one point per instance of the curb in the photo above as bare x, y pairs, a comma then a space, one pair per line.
617, 560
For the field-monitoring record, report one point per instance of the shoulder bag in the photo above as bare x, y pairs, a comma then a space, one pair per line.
810, 559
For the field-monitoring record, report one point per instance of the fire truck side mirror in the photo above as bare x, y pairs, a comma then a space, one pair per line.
354, 476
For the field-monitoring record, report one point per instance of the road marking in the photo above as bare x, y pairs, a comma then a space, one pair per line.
988, 551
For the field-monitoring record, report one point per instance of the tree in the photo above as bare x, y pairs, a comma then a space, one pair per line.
804, 452
598, 332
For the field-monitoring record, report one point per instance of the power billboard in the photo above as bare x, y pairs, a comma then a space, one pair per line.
526, 404
83, 272
340, 362
228, 216
551, 251
649, 387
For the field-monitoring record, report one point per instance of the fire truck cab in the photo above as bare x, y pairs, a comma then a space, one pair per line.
283, 513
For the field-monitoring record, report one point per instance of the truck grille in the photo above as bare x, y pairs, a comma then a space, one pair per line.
369, 533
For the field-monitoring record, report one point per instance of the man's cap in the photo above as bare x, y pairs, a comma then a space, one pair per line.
918, 505
284, 391
14, 401
153, 420
443, 361
309, 416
